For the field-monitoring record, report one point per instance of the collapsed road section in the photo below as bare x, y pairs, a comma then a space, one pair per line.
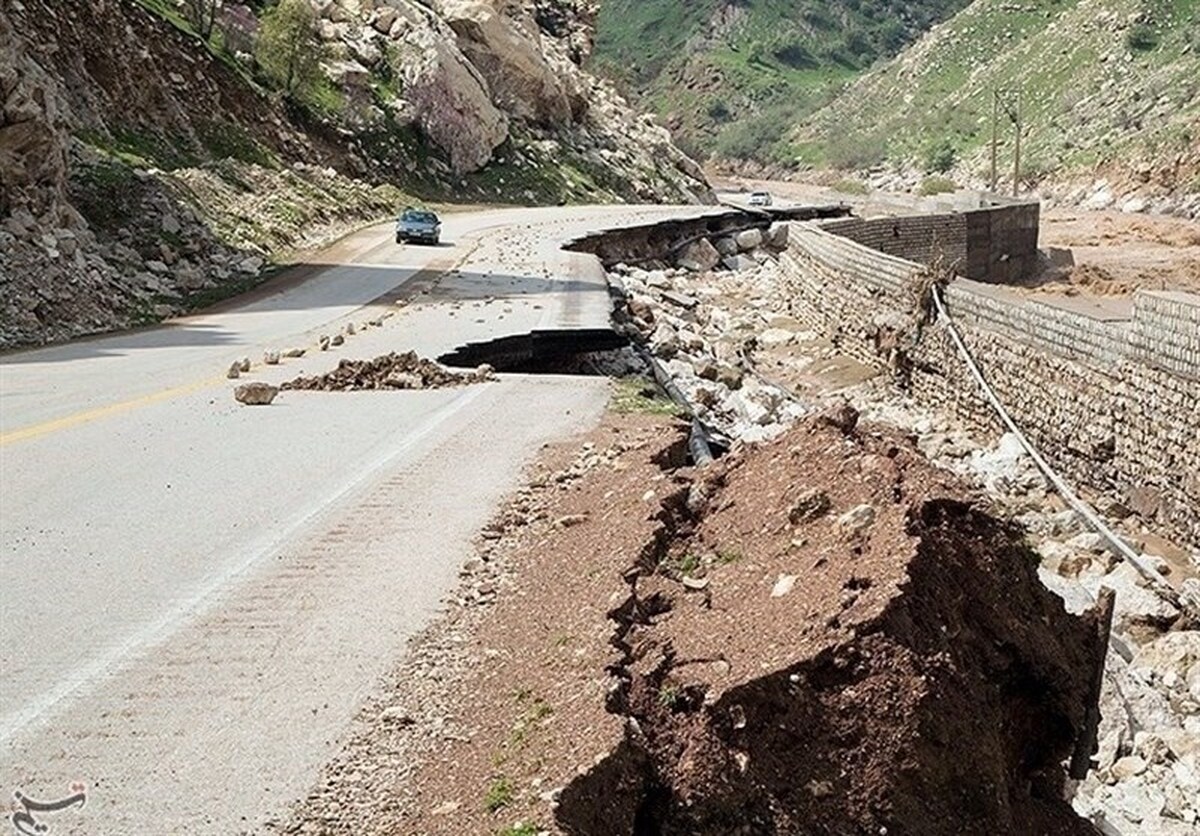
836, 628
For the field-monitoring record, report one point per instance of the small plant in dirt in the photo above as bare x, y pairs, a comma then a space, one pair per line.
639, 395
668, 696
499, 795
727, 556
537, 710
683, 564
1141, 37
520, 829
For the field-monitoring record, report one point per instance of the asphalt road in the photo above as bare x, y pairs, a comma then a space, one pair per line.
195, 596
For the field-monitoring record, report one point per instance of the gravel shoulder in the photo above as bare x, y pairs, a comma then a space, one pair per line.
500, 701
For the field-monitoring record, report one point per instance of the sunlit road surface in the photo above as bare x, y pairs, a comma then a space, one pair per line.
195, 596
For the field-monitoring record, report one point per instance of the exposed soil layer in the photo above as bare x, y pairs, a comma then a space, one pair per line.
391, 371
645, 648
827, 637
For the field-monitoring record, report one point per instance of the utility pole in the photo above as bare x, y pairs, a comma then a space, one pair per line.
1016, 117
1010, 102
995, 138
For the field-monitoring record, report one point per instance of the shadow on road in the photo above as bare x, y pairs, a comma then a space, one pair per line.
328, 292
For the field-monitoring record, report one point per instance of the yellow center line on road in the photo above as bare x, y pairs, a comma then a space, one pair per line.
89, 415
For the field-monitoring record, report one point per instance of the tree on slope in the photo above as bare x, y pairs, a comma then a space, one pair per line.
203, 15
289, 47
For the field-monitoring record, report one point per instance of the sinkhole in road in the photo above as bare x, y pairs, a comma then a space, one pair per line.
595, 351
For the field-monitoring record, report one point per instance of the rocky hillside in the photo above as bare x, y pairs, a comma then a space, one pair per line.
729, 77
147, 169
1110, 101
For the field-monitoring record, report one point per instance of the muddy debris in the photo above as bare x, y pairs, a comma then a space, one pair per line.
391, 371
913, 678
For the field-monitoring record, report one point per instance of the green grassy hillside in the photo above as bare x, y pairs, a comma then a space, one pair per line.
731, 76
1101, 82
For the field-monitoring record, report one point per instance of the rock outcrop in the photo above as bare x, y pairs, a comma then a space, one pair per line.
476, 74
141, 175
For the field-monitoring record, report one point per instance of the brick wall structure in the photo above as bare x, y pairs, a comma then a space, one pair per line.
996, 244
1108, 390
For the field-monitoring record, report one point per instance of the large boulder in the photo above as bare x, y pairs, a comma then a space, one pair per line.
699, 256
509, 52
449, 98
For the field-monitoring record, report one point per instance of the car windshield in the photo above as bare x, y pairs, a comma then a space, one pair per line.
417, 216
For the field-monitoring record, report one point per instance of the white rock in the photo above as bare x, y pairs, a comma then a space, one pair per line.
783, 586
777, 237
1076, 599
726, 246
739, 262
1127, 767
749, 239
1176, 652
699, 256
250, 265
658, 279
1137, 802
775, 337
1135, 603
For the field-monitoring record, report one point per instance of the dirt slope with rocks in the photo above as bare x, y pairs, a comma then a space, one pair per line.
146, 172
642, 647
858, 650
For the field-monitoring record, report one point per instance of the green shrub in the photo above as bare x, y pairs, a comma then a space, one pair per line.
499, 795
107, 193
1141, 37
521, 829
848, 185
940, 157
936, 185
718, 111
226, 140
853, 153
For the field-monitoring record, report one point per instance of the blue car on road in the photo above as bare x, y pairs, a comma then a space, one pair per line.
419, 225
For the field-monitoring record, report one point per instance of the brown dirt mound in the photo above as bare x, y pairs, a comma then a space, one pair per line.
391, 371
840, 644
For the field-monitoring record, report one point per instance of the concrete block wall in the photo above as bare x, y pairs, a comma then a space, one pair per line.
1166, 331
997, 244
1114, 404
1044, 326
918, 238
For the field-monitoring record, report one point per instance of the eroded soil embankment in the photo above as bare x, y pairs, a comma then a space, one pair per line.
827, 637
